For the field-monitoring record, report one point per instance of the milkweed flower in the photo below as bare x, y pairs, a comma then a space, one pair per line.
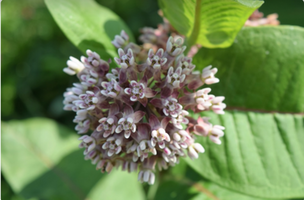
136, 116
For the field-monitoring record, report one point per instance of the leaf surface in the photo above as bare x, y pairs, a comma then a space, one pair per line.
261, 77
41, 159
262, 70
182, 182
261, 154
88, 25
210, 23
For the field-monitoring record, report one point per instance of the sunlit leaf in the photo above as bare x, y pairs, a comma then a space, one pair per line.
211, 23
88, 25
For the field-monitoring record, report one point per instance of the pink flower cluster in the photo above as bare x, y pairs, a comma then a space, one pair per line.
135, 115
257, 19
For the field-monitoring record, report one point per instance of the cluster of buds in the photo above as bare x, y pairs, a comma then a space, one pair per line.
135, 116
257, 19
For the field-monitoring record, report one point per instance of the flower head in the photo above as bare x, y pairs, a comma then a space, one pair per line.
136, 115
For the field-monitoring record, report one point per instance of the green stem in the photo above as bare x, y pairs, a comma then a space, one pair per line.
153, 188
196, 27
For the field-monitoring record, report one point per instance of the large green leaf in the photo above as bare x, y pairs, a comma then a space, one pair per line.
211, 23
41, 159
182, 182
88, 25
262, 70
261, 154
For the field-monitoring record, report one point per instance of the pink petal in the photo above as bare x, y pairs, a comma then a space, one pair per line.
150, 93
160, 52
178, 71
164, 122
196, 83
170, 71
137, 116
154, 122
127, 134
157, 103
133, 98
133, 83
130, 53
166, 92
142, 133
117, 60
186, 100
128, 110
143, 101
150, 53
122, 76
114, 109
128, 91
201, 130
121, 52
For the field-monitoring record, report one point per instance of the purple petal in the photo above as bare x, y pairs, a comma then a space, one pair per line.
138, 115
118, 129
117, 87
132, 75
123, 65
127, 134
128, 110
186, 100
170, 71
196, 83
178, 71
163, 61
111, 94
141, 95
166, 92
122, 76
149, 93
142, 133
165, 122
120, 52
128, 91
160, 52
133, 83
114, 109
130, 53
201, 130
157, 103
117, 60
154, 122
143, 101
104, 84
131, 61
133, 98
150, 53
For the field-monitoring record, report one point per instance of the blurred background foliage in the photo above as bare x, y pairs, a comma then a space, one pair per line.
34, 51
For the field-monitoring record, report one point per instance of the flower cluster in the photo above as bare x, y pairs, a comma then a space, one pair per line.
136, 115
257, 19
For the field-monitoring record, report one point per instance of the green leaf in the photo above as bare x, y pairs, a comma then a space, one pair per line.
41, 159
261, 75
118, 185
210, 23
184, 183
88, 25
262, 70
261, 154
